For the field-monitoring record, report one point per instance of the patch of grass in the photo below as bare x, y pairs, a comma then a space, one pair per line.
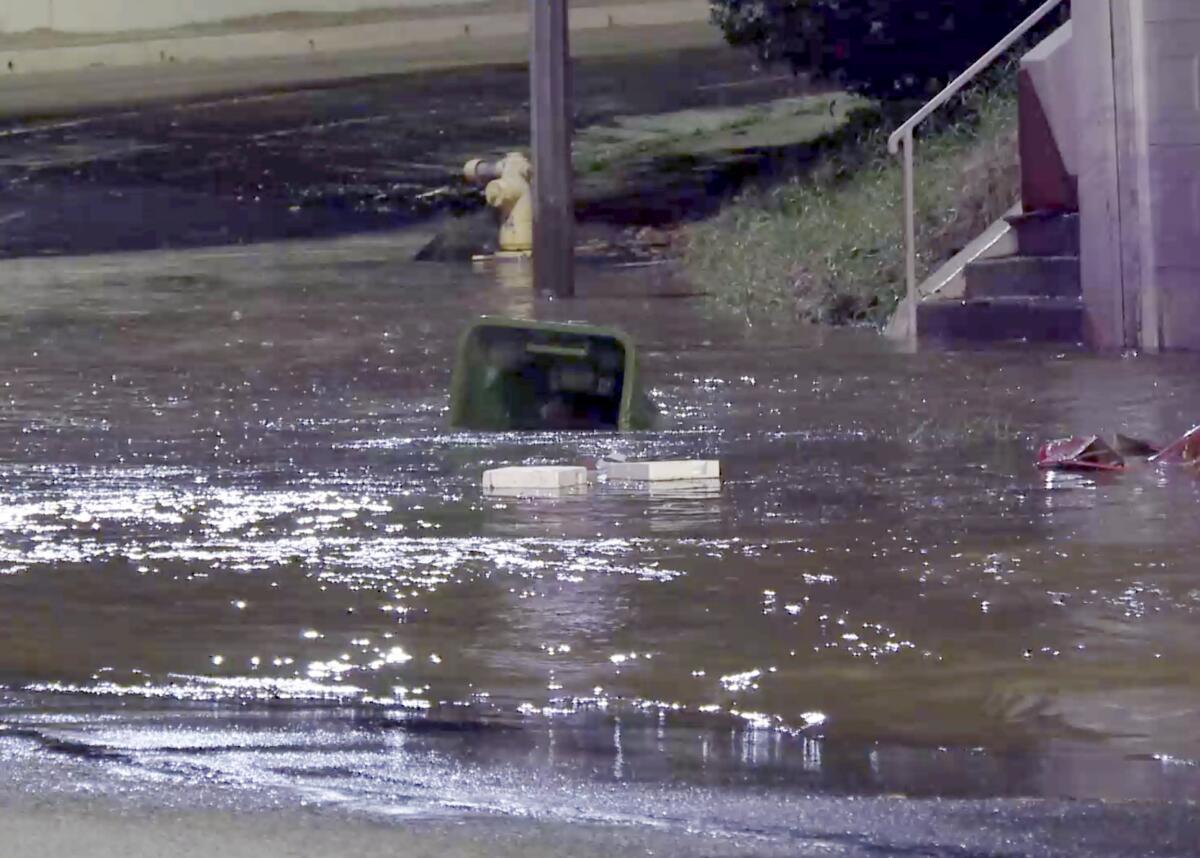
828, 245
712, 132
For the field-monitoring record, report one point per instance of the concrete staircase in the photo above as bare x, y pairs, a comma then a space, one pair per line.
1033, 295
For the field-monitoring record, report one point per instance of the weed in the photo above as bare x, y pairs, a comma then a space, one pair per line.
826, 245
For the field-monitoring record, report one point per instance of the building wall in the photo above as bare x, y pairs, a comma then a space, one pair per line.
1167, 36
1139, 118
89, 16
1101, 248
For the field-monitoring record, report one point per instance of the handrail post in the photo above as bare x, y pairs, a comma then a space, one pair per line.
905, 136
910, 232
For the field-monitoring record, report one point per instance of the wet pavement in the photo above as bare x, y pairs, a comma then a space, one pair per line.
339, 159
242, 554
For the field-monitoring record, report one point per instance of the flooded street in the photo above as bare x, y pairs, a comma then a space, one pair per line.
340, 159
246, 565
241, 554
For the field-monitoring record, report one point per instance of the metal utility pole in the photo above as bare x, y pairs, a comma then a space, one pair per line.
553, 181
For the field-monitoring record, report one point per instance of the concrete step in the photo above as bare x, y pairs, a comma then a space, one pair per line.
1031, 319
1046, 233
1024, 276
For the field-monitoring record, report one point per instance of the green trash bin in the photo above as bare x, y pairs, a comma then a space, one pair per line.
514, 375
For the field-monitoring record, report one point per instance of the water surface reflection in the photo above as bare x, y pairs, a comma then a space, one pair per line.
229, 483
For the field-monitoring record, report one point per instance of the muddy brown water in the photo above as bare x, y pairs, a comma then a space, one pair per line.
239, 545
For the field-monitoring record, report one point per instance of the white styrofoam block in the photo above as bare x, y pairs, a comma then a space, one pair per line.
549, 477
653, 472
536, 494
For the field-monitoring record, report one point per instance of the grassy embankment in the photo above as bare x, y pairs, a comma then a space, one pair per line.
667, 161
711, 132
669, 168
826, 244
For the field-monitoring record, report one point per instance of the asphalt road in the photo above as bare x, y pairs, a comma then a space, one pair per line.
818, 828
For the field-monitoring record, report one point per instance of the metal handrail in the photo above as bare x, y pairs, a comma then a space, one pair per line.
905, 135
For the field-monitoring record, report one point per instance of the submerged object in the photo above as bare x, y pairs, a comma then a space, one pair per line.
1079, 454
1136, 447
1094, 454
535, 477
518, 375
662, 471
1185, 451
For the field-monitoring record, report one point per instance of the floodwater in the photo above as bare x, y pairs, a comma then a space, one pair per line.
240, 550
245, 563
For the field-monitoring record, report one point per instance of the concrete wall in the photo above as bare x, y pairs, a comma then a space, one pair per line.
318, 46
1139, 129
1101, 248
1166, 35
1049, 136
92, 16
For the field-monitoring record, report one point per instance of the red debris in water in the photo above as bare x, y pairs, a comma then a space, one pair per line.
1080, 454
1185, 451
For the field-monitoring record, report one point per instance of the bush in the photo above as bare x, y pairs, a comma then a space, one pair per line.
889, 49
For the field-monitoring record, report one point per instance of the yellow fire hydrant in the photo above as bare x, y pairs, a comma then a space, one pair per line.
509, 191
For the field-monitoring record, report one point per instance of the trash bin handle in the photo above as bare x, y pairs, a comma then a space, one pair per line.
556, 351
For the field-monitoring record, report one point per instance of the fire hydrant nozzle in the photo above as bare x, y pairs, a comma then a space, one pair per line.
508, 191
